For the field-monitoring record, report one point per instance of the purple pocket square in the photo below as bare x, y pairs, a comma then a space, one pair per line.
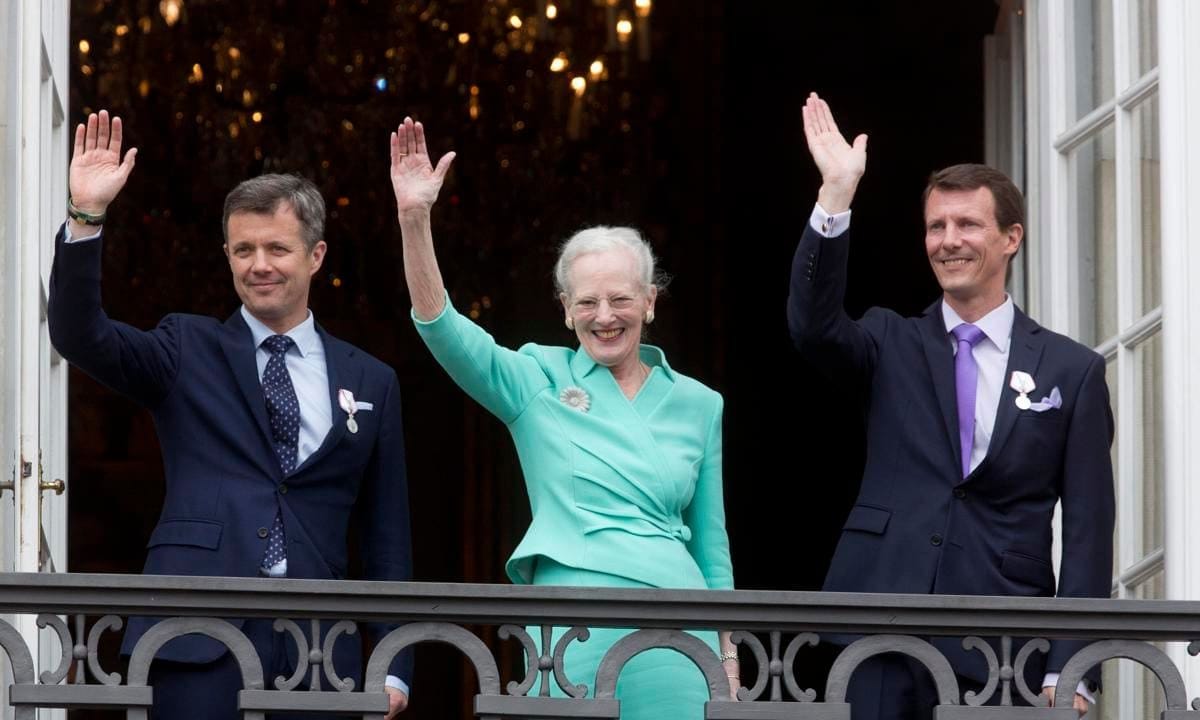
1053, 401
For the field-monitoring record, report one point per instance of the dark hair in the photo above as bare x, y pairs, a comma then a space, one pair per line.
1010, 204
263, 195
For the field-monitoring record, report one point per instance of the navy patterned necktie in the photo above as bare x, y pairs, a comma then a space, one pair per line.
283, 410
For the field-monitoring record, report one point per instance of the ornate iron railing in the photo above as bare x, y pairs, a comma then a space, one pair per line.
773, 627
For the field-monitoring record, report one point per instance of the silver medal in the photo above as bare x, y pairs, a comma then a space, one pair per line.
1023, 401
352, 424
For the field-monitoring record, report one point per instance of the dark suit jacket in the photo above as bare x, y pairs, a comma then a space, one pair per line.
918, 526
199, 379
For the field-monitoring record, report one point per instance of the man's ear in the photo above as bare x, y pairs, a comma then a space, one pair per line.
318, 256
1013, 236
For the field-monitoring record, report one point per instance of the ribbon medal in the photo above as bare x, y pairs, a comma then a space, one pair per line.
1023, 383
347, 403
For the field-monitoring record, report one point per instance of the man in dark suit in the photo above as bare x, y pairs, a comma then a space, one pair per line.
978, 421
272, 430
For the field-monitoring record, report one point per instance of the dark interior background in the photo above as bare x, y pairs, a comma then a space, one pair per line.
701, 147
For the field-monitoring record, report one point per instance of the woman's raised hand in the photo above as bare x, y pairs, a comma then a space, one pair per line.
415, 180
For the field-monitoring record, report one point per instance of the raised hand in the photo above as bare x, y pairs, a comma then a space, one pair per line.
97, 171
840, 163
415, 180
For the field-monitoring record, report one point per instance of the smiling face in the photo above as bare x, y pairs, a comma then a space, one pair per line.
967, 249
607, 305
271, 266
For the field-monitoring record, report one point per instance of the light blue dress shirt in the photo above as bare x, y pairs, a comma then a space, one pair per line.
306, 364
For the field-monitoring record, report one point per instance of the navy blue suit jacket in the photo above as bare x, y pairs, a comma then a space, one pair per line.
199, 379
918, 526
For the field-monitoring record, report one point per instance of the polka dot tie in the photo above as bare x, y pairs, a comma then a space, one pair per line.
283, 410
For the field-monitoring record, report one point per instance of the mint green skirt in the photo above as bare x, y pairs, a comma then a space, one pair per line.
654, 685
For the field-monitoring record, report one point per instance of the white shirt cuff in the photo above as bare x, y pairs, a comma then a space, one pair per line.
69, 239
1052, 681
829, 225
395, 682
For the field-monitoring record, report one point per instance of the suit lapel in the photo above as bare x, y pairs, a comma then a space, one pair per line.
342, 373
940, 357
238, 346
1024, 353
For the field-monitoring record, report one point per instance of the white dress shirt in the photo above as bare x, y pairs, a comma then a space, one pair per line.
991, 355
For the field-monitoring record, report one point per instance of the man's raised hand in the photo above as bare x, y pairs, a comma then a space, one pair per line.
97, 171
840, 163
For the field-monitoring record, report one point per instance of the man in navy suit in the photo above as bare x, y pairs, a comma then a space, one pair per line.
978, 422
273, 432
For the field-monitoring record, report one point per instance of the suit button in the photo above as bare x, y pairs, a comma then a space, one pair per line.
263, 533
960, 493
283, 488
935, 540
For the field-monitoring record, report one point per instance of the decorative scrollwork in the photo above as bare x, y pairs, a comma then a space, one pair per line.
789, 666
532, 659
344, 627
860, 650
976, 699
64, 641
466, 643
684, 643
560, 671
292, 629
103, 625
222, 631
741, 637
544, 662
1041, 645
1155, 660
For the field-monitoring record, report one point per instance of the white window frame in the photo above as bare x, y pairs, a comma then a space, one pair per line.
1179, 108
33, 377
1054, 279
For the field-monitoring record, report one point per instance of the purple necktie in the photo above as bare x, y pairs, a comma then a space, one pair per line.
966, 378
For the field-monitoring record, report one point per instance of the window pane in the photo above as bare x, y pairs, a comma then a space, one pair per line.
1151, 700
1152, 589
1109, 701
1093, 54
1146, 50
1148, 365
1110, 377
1147, 700
1146, 204
1093, 175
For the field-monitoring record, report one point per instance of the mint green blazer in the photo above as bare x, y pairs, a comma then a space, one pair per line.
629, 488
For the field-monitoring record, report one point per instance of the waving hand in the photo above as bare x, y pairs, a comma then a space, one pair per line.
97, 171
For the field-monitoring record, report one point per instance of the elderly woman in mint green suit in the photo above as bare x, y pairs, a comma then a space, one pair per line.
621, 453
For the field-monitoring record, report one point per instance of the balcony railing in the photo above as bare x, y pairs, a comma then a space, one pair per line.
773, 627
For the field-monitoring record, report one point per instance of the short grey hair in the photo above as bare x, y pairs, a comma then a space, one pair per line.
602, 238
264, 194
